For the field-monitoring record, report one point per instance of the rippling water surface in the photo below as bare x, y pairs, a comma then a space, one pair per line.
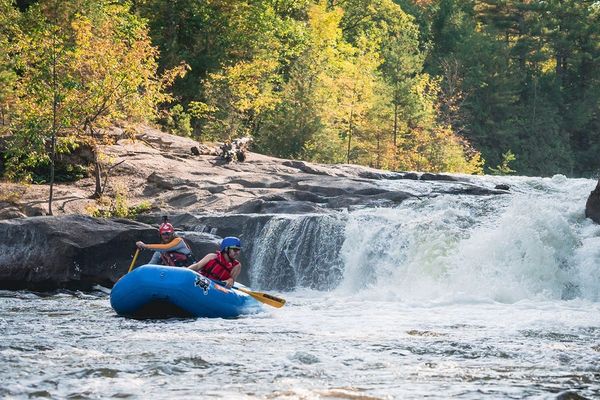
320, 346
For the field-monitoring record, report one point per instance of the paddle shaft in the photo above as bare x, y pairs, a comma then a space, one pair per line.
137, 251
266, 298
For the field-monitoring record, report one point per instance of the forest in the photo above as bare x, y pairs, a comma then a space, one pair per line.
482, 86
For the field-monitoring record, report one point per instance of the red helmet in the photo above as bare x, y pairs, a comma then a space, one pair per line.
166, 228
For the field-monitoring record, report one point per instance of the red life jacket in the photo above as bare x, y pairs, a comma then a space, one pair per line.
177, 259
218, 268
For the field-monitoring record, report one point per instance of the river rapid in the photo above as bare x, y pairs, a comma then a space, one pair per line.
464, 297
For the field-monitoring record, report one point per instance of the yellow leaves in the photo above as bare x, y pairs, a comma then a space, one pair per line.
434, 149
200, 110
81, 66
329, 102
82, 29
324, 24
548, 66
170, 75
247, 85
116, 68
89, 66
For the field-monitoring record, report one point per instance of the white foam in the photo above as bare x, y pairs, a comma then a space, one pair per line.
533, 243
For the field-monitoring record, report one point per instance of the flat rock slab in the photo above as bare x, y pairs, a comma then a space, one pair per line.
176, 175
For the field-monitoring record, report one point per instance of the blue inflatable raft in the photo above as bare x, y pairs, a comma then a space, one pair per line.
157, 291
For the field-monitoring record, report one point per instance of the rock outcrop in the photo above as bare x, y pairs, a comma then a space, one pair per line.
164, 171
182, 178
592, 206
75, 252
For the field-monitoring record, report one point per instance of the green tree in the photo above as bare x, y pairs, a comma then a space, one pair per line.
301, 126
420, 133
41, 104
83, 65
196, 33
571, 32
9, 29
504, 167
356, 84
231, 47
263, 42
528, 80
116, 69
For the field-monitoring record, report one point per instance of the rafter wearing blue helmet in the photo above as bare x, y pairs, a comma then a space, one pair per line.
223, 265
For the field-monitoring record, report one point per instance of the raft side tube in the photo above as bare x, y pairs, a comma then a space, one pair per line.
156, 286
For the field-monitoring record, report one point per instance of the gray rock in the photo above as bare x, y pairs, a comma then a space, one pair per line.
237, 199
160, 169
570, 395
10, 212
260, 206
184, 199
438, 177
592, 205
76, 252
169, 183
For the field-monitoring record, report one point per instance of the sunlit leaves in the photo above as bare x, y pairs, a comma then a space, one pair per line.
82, 66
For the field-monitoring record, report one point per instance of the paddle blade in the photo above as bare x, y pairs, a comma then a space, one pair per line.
266, 298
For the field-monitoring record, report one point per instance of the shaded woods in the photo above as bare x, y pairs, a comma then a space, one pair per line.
458, 86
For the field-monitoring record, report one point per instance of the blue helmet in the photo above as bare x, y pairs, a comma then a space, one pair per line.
231, 241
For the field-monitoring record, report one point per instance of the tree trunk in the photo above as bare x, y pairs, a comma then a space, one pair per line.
395, 124
52, 163
378, 159
534, 103
97, 175
349, 137
54, 126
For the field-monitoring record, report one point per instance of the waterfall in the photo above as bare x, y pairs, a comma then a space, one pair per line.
532, 243
298, 250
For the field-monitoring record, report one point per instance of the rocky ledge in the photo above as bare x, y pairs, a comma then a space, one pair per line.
178, 175
75, 251
182, 178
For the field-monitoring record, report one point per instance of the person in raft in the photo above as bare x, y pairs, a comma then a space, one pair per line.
223, 265
172, 250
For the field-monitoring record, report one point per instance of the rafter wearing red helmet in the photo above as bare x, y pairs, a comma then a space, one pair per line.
172, 250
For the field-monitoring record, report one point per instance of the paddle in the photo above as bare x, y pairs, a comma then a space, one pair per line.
266, 298
134, 258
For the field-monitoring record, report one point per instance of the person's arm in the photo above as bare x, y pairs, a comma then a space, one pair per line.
200, 264
162, 247
234, 274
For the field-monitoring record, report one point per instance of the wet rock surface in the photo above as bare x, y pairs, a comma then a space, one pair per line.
592, 206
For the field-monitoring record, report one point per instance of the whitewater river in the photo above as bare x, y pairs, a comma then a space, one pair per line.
447, 297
